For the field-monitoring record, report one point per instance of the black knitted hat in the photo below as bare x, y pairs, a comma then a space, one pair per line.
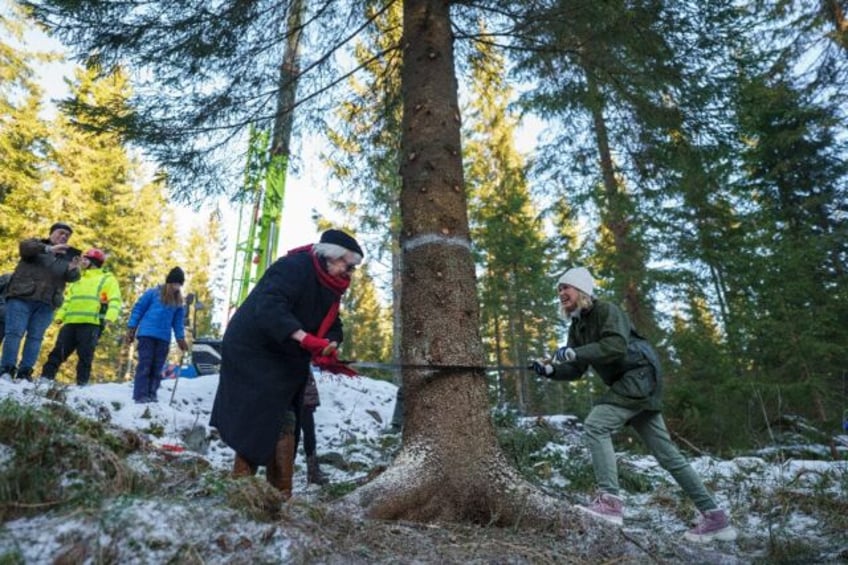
61, 226
176, 275
339, 237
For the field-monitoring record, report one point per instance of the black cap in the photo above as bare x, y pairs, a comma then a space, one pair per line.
339, 237
61, 226
176, 275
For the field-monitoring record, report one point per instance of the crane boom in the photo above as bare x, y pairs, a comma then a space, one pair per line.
263, 194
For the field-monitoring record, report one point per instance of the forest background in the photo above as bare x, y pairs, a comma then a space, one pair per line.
693, 157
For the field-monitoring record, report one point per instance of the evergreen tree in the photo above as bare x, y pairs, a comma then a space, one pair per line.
707, 399
367, 323
94, 181
449, 446
366, 155
511, 249
808, 41
220, 275
796, 179
24, 147
605, 68
205, 72
199, 253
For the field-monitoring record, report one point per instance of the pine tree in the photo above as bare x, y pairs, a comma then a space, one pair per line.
205, 73
449, 443
510, 246
205, 267
796, 177
367, 157
606, 68
367, 323
24, 146
101, 190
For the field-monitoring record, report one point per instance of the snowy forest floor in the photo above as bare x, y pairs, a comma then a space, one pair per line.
86, 476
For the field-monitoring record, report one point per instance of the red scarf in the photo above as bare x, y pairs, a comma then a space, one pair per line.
338, 285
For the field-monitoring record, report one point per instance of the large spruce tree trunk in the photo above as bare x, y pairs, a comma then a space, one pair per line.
450, 466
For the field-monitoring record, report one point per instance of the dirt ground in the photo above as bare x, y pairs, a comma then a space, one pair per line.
335, 539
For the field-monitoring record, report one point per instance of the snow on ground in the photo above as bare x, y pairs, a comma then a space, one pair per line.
351, 423
352, 410
353, 414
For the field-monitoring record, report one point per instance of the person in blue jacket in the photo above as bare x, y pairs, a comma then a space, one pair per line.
159, 311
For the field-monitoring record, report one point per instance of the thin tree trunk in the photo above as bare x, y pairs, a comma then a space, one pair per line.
628, 256
833, 9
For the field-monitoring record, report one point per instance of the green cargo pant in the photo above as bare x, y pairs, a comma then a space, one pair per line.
606, 419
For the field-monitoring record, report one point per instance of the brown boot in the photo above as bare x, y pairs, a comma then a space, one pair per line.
280, 468
243, 468
313, 472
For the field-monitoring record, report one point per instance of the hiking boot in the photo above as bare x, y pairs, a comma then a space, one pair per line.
280, 469
243, 468
314, 475
713, 524
25, 374
8, 373
607, 507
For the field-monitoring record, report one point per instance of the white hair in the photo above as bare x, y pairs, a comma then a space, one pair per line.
334, 251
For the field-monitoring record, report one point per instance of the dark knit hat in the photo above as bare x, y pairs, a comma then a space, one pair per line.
339, 237
176, 275
61, 226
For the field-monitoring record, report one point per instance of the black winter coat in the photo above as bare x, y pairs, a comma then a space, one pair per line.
264, 370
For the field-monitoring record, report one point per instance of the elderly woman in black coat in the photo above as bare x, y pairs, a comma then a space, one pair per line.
288, 320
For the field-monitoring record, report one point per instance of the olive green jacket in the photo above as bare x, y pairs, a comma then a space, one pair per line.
604, 339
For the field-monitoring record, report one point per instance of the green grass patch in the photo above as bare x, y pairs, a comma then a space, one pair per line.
60, 460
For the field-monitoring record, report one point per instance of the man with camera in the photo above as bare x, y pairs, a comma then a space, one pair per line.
33, 294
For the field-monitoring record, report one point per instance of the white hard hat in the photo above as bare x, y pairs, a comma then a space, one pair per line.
580, 278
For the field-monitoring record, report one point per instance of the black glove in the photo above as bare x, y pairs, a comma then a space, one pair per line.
542, 368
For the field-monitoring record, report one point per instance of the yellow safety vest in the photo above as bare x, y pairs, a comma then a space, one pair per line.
83, 299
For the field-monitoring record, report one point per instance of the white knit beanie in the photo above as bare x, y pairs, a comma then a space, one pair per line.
580, 278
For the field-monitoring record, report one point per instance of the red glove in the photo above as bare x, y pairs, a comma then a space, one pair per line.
331, 364
317, 345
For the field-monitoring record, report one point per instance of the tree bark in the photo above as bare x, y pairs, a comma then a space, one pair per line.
450, 466
629, 256
840, 24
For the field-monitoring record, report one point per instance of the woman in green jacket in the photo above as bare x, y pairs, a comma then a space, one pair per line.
601, 336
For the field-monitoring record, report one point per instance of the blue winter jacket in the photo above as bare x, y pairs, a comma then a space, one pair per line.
156, 320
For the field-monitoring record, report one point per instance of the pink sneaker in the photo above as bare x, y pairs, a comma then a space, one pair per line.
607, 507
714, 524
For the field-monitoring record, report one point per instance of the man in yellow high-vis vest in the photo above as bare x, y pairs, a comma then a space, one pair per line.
89, 304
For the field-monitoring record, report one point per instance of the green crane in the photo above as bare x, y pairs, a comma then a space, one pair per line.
263, 193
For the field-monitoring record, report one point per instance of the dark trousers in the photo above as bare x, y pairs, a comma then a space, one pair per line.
81, 338
152, 354
307, 422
